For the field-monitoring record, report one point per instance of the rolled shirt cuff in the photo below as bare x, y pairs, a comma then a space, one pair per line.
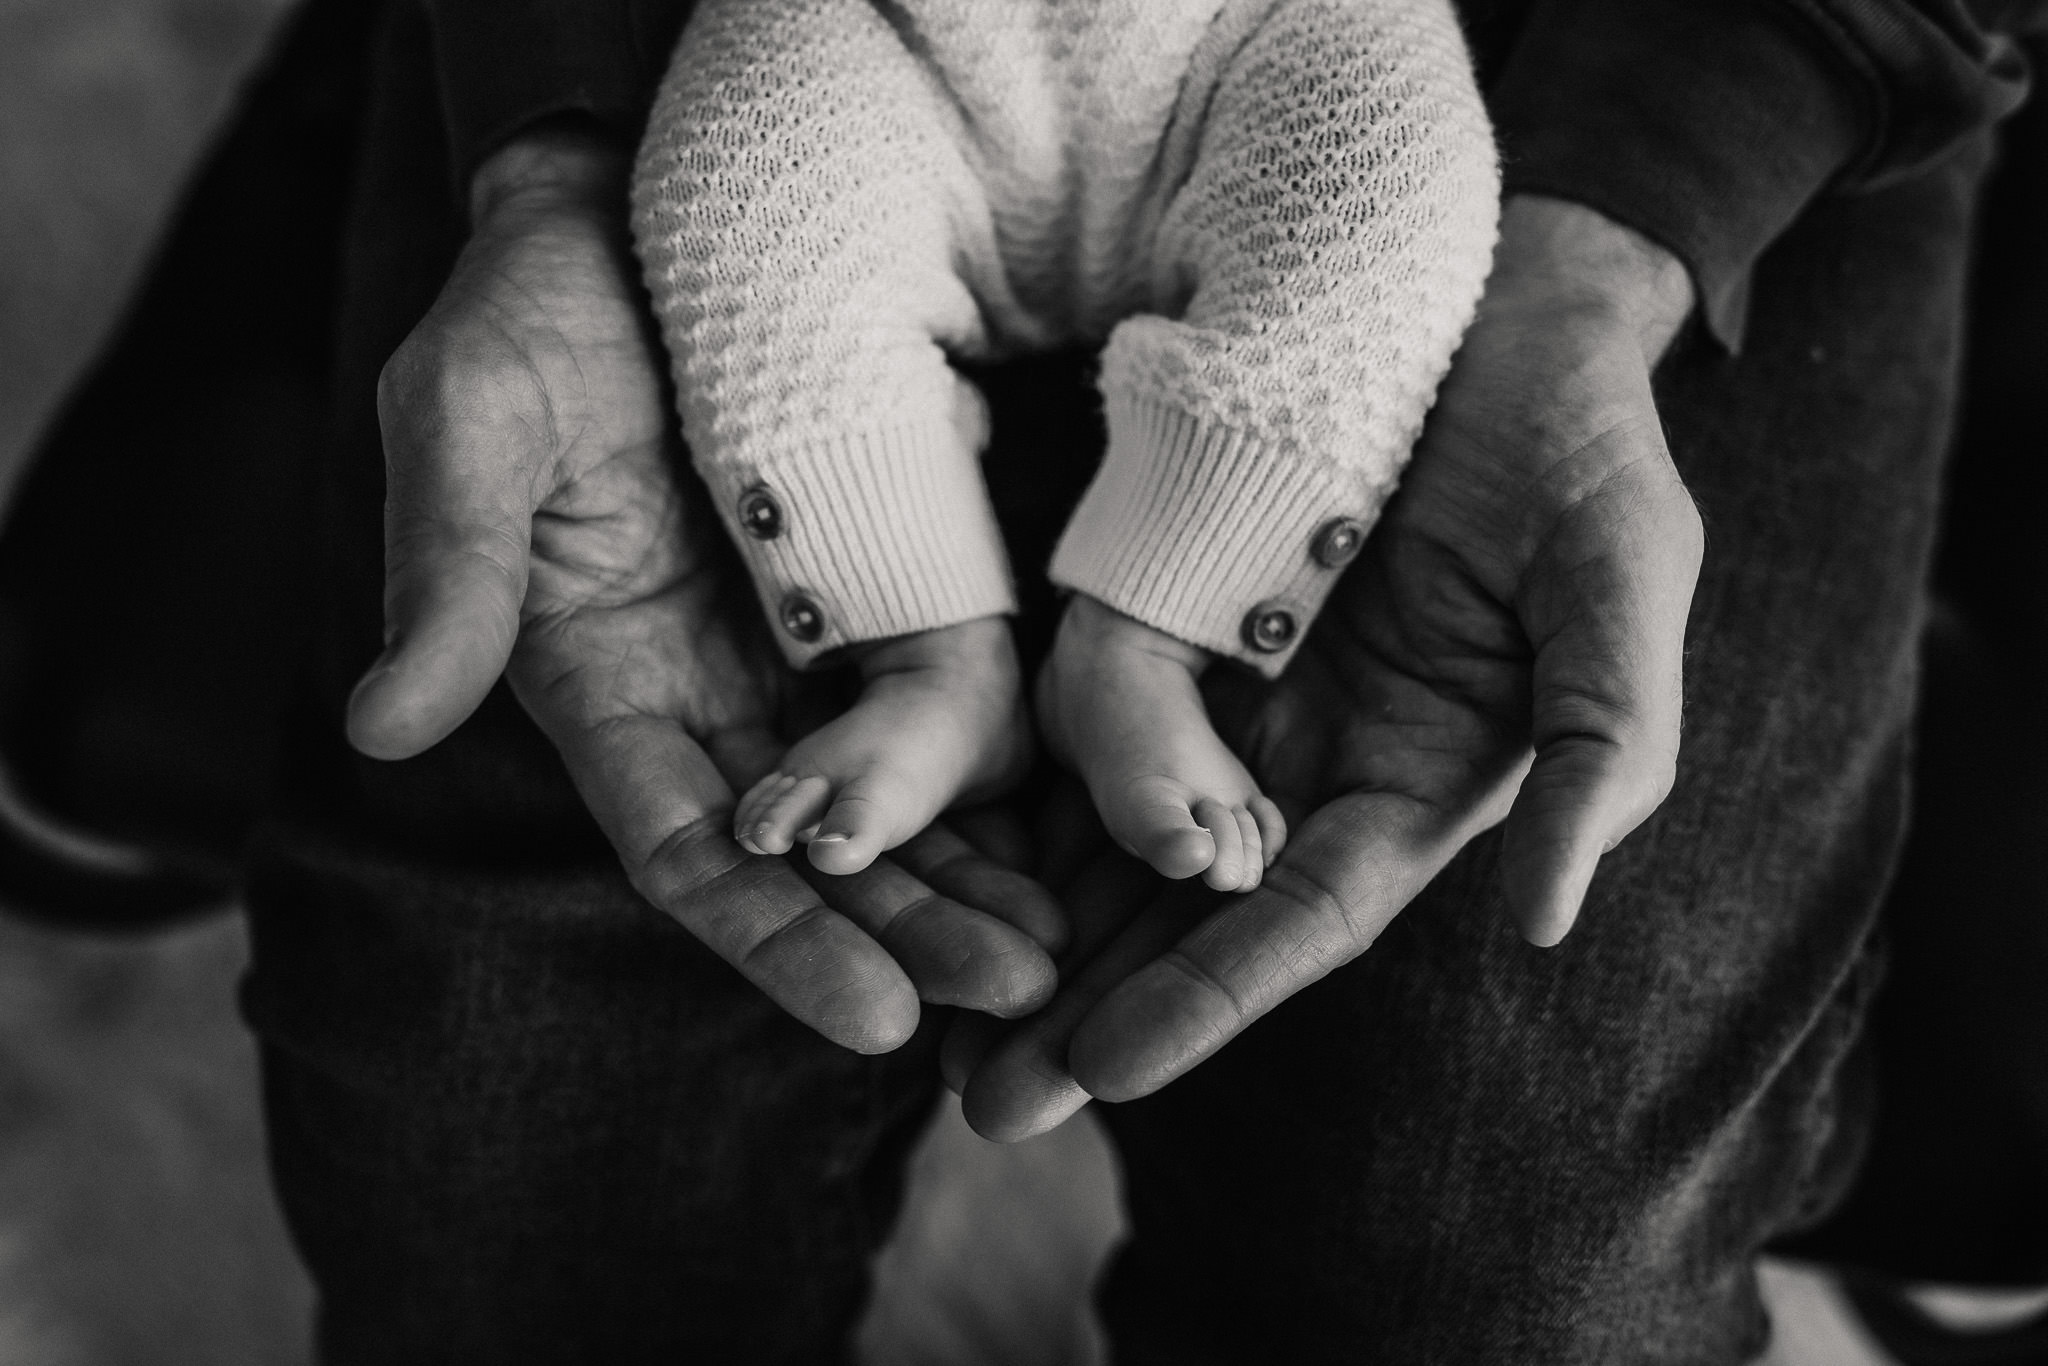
1214, 536
875, 534
1707, 128
504, 65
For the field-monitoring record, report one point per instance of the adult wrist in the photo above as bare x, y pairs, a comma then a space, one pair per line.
561, 163
1563, 254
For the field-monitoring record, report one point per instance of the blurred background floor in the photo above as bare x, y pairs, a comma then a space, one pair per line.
136, 1227
135, 1222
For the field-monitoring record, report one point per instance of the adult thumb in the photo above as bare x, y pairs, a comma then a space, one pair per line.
458, 523
1608, 690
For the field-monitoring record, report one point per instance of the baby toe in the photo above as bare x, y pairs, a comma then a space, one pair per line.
753, 803
774, 825
1157, 826
1225, 872
864, 821
1272, 827
1254, 849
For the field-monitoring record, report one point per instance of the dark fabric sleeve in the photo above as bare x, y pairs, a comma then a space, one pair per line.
504, 64
1707, 125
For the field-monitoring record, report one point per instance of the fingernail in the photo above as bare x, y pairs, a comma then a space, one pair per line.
807, 834
833, 838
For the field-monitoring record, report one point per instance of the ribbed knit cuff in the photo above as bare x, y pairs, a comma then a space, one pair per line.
877, 534
1212, 536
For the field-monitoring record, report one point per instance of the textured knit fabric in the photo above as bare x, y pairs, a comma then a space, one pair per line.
1279, 214
520, 1118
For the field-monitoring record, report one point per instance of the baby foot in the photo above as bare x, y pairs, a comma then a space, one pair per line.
1118, 702
940, 719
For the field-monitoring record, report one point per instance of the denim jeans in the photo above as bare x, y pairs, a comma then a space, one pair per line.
518, 1116
1955, 1187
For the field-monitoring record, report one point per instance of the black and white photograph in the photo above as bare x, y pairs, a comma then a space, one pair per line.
1023, 683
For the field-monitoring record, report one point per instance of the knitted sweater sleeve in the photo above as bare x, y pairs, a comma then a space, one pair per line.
1311, 279
800, 204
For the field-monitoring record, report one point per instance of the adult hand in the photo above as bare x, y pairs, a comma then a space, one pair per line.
536, 519
1508, 647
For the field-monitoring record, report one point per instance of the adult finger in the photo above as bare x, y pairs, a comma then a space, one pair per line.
668, 811
998, 831
1352, 868
920, 905
968, 930
946, 861
458, 523
1098, 890
1016, 1083
1607, 616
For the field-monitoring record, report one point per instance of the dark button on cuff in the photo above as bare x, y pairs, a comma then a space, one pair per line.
1270, 628
1337, 542
760, 514
802, 618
